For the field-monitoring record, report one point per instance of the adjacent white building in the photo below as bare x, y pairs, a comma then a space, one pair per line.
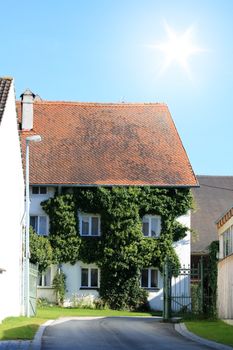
11, 205
225, 265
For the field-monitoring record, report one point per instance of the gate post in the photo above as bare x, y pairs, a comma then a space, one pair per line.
166, 292
202, 285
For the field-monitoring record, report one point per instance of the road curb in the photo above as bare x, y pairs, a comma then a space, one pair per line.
181, 328
36, 342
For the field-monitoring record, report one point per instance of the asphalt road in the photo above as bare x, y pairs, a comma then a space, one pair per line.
114, 333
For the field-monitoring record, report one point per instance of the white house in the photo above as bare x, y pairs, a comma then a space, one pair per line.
225, 265
97, 144
11, 205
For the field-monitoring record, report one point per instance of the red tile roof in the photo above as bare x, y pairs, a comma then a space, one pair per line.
107, 144
5, 84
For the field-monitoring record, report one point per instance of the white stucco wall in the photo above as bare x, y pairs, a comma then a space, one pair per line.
11, 212
73, 281
36, 199
47, 291
225, 288
183, 247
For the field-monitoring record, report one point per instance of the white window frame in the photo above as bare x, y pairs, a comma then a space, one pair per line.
90, 216
89, 277
38, 224
149, 269
39, 190
227, 242
150, 217
42, 276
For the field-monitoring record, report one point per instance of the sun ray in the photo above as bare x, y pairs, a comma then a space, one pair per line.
177, 49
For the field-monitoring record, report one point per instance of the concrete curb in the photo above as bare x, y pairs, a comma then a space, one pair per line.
181, 328
36, 342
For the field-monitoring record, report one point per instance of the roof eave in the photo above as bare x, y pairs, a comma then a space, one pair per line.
113, 185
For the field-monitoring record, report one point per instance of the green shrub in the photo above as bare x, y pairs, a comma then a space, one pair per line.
40, 251
59, 285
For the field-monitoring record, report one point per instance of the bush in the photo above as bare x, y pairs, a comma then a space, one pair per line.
43, 302
59, 285
100, 304
40, 251
82, 301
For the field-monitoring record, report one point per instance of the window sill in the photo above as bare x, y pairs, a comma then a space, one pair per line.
45, 287
89, 288
152, 289
90, 236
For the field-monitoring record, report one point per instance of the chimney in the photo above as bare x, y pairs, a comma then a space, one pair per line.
27, 99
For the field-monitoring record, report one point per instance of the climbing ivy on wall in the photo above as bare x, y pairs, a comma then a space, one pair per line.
210, 306
121, 251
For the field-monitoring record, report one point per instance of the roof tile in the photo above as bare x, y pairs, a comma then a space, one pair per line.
107, 144
5, 84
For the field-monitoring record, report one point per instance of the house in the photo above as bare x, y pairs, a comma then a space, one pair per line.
102, 144
12, 211
225, 265
212, 198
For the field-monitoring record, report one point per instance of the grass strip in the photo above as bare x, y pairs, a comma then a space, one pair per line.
15, 328
215, 330
55, 312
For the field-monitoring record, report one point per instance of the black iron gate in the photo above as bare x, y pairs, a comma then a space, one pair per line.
180, 295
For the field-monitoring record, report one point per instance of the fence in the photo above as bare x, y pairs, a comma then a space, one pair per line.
33, 276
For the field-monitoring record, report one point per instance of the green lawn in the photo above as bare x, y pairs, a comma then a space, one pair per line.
217, 330
55, 312
25, 328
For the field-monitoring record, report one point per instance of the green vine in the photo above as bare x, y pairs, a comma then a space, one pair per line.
59, 285
211, 309
121, 251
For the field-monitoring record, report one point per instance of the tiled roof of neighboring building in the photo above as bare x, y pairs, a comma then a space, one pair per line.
107, 144
5, 84
213, 198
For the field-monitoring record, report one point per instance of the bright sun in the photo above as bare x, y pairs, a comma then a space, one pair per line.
177, 49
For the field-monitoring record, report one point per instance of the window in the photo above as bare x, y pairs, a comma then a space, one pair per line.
39, 189
149, 278
227, 242
89, 277
89, 225
39, 224
44, 278
151, 225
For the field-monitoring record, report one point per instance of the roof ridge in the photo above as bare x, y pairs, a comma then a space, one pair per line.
117, 104
6, 78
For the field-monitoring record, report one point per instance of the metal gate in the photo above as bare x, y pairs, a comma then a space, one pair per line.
180, 296
33, 276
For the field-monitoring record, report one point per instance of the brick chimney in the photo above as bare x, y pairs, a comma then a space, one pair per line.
27, 99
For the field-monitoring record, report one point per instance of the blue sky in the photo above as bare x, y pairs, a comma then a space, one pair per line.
101, 51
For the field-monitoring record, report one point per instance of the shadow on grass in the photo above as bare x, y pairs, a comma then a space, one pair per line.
26, 332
